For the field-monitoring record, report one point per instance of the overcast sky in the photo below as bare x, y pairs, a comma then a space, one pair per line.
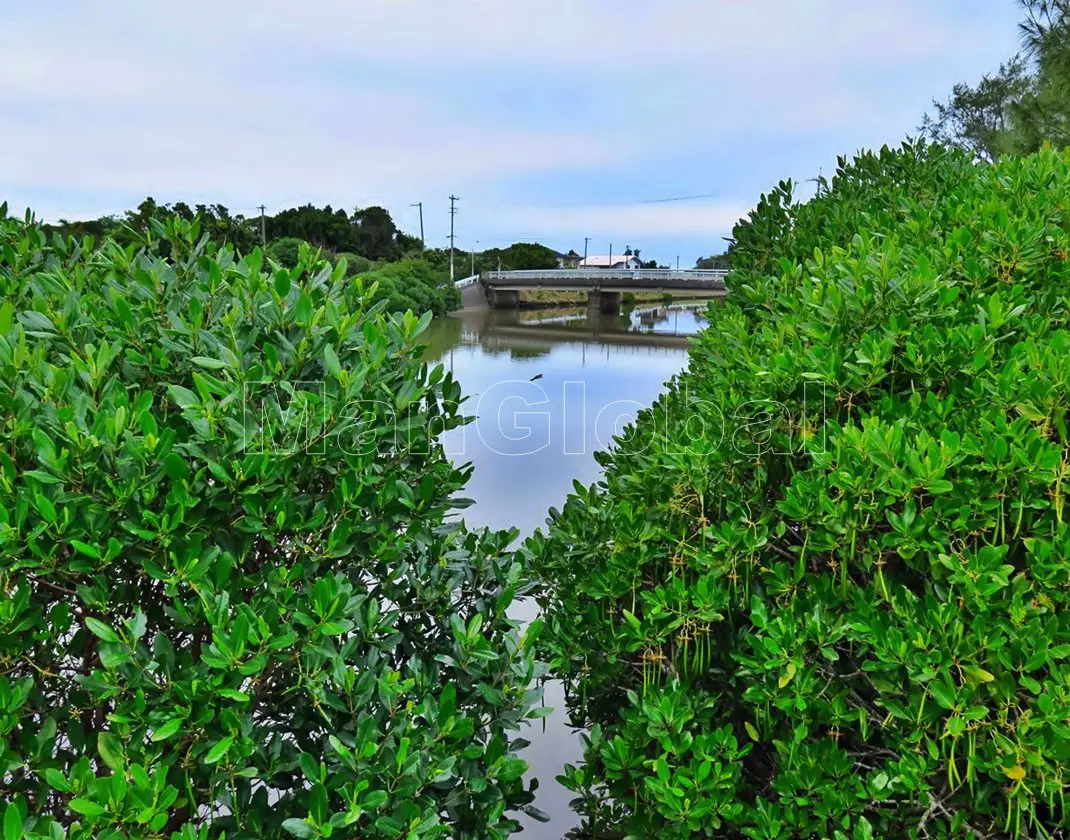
551, 119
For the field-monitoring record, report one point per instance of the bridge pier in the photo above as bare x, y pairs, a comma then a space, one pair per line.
503, 298
606, 303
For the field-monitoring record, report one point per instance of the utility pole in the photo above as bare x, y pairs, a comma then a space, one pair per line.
586, 239
453, 212
473, 274
420, 204
610, 256
677, 262
817, 181
263, 225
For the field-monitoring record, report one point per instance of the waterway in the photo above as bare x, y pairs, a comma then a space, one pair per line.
548, 389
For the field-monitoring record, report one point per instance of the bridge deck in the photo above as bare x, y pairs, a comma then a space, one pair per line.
608, 280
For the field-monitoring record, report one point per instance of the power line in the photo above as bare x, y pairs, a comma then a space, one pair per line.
609, 203
676, 198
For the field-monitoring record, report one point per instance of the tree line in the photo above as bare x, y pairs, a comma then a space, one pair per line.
408, 275
369, 234
365, 237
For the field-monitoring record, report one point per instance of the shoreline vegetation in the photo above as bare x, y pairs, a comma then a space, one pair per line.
822, 588
409, 276
233, 605
820, 591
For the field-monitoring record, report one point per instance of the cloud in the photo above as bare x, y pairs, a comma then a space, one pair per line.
392, 101
705, 218
162, 127
593, 34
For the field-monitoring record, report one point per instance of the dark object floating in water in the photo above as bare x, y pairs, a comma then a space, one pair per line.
536, 376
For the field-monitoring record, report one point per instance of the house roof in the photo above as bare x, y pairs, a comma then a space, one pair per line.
606, 261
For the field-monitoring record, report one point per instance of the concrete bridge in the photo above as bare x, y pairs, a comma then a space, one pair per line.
603, 285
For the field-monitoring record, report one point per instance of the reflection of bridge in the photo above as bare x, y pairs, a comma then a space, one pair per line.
558, 334
603, 285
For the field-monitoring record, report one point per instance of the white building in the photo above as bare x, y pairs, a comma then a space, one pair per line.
621, 262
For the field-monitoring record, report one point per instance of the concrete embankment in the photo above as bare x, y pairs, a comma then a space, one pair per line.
473, 297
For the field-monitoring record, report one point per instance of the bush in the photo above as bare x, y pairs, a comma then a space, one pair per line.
428, 288
823, 588
355, 263
285, 251
233, 606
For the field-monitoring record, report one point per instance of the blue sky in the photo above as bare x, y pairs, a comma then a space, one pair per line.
553, 120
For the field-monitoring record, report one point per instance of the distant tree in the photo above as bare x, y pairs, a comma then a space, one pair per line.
97, 228
407, 244
355, 263
323, 227
718, 261
369, 232
1045, 116
139, 220
520, 256
981, 119
439, 258
376, 233
216, 223
285, 251
1024, 105
221, 226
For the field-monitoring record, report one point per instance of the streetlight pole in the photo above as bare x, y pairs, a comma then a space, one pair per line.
677, 262
473, 274
586, 239
610, 256
453, 212
420, 204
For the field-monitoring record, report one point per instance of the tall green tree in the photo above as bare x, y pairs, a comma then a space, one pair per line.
722, 261
1022, 106
323, 227
1045, 115
376, 233
520, 256
981, 119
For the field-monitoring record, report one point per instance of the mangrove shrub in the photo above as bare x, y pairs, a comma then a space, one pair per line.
233, 605
822, 590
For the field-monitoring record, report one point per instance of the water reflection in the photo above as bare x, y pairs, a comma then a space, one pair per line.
549, 388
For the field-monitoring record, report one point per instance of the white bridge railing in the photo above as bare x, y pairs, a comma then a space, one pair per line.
595, 276
467, 281
608, 279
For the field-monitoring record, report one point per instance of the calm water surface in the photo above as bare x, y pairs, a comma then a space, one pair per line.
549, 388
